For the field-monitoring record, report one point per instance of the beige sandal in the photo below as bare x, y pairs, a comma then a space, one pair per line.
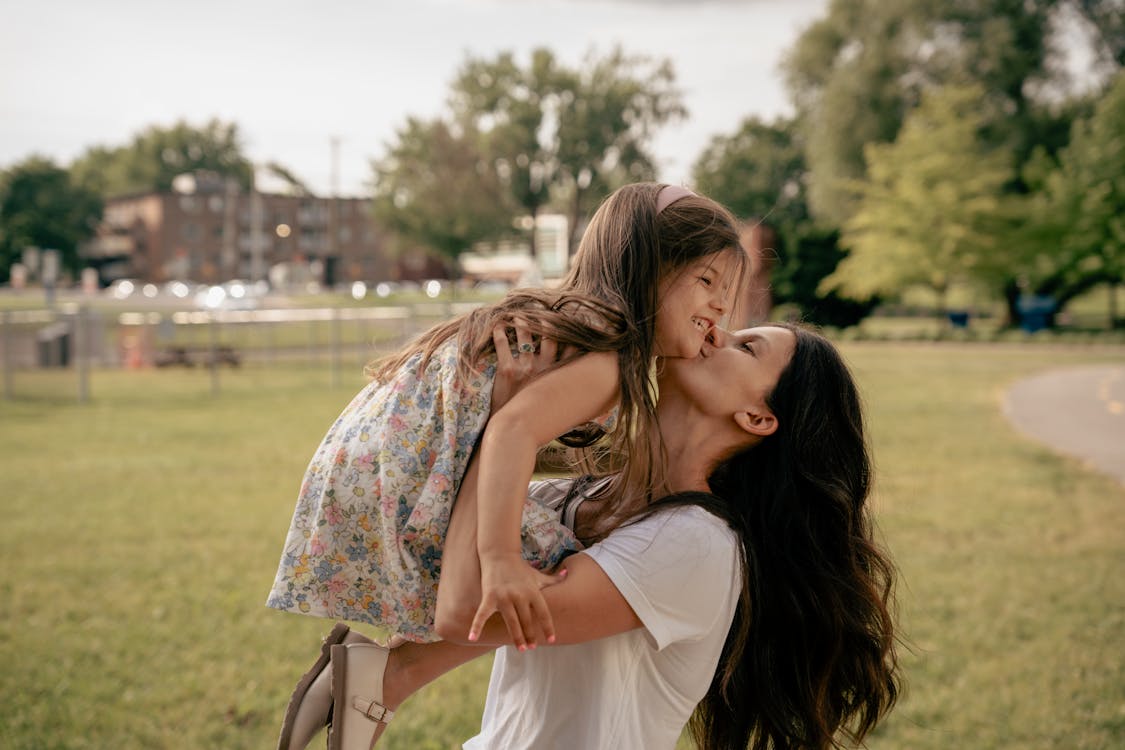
357, 695
310, 706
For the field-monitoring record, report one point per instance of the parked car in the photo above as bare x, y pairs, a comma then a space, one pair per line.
124, 288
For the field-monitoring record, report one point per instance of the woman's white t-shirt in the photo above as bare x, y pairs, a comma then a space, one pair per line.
679, 571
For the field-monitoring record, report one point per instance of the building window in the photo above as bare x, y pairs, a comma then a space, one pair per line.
191, 232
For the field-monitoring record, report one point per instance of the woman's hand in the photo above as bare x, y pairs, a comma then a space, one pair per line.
511, 588
516, 369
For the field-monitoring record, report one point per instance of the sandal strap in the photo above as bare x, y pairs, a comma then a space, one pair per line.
372, 710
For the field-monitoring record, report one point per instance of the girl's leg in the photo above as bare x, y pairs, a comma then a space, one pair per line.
459, 585
411, 666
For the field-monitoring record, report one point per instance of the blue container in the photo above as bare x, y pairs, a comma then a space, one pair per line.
1035, 311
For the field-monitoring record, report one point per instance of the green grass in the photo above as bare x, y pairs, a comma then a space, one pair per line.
141, 533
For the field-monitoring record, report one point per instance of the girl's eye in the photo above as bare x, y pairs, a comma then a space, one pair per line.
748, 347
706, 280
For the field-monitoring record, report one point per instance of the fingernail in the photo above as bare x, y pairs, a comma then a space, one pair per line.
473, 636
551, 639
523, 647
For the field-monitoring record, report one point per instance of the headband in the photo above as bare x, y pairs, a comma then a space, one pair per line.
669, 194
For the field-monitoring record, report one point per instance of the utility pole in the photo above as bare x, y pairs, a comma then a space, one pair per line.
331, 251
255, 228
229, 258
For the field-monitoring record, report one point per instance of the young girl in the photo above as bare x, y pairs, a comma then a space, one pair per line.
650, 278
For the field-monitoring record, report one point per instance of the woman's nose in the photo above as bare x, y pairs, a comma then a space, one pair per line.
720, 337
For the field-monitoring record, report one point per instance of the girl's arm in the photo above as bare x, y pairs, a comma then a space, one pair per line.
549, 406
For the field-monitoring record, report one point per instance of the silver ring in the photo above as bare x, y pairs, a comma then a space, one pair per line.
527, 348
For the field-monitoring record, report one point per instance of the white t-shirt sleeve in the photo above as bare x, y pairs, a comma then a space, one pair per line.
677, 569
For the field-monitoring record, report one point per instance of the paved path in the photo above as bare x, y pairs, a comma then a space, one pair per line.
1079, 411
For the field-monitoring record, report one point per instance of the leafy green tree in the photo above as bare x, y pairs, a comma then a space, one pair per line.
436, 188
158, 154
553, 131
1076, 217
613, 108
932, 208
1106, 21
759, 172
857, 72
852, 85
514, 107
41, 206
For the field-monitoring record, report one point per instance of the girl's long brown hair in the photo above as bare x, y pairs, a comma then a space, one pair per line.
608, 302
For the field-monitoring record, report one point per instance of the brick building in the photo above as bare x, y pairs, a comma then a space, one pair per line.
206, 230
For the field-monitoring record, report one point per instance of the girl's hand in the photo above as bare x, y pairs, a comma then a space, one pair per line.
516, 369
511, 588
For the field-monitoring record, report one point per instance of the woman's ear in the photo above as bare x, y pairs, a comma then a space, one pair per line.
755, 422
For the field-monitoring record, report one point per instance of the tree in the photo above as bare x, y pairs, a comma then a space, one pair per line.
41, 206
550, 129
932, 208
1106, 21
759, 172
436, 187
855, 74
1076, 216
515, 108
157, 155
605, 132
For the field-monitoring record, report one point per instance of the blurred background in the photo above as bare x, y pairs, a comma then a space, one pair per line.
213, 214
890, 159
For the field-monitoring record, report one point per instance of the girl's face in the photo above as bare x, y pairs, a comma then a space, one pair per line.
692, 300
735, 371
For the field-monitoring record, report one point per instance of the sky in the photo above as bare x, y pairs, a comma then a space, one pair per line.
296, 75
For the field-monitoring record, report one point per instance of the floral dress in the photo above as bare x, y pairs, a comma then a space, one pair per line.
366, 538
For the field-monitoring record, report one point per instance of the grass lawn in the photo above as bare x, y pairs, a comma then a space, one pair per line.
141, 533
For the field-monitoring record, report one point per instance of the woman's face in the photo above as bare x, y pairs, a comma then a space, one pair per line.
734, 372
691, 301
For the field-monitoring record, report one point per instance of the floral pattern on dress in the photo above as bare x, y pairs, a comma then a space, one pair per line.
372, 513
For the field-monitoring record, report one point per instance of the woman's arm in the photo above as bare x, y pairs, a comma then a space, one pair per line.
585, 605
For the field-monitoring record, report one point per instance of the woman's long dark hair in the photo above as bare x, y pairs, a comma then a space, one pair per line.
810, 655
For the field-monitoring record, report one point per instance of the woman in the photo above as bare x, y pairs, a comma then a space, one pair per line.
752, 601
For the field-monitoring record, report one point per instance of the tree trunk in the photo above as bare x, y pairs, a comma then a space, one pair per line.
1112, 305
532, 239
1011, 299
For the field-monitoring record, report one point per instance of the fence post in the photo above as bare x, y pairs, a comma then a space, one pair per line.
213, 346
336, 345
5, 330
82, 341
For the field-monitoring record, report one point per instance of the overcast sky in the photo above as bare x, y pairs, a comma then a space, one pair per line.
293, 75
